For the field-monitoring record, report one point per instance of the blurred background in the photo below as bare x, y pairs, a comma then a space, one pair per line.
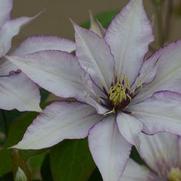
55, 19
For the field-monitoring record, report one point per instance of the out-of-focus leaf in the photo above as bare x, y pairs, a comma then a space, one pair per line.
7, 177
46, 170
136, 157
2, 138
44, 95
18, 128
35, 163
96, 176
9, 116
104, 18
16, 131
71, 160
5, 161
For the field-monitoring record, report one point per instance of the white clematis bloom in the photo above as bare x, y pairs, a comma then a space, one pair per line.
162, 154
118, 94
17, 91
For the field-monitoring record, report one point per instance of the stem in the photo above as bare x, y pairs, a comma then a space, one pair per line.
6, 128
159, 21
163, 22
19, 162
168, 19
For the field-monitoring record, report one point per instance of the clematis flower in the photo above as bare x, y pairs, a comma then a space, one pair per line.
116, 94
17, 91
161, 152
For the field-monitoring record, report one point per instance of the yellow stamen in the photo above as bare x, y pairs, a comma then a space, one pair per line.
174, 174
110, 112
118, 92
139, 84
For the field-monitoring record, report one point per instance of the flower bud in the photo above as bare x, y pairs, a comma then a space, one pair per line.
20, 175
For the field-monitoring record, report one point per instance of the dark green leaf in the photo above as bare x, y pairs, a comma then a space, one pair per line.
16, 131
45, 170
71, 160
5, 161
7, 177
35, 163
96, 176
135, 156
18, 128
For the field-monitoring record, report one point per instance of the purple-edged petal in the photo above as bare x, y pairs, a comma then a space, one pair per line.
109, 149
56, 71
59, 121
5, 9
93, 102
6, 67
10, 29
161, 112
135, 172
167, 62
19, 92
40, 43
159, 151
179, 149
128, 36
94, 56
129, 127
148, 72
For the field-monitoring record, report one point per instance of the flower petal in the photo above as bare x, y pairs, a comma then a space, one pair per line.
160, 151
179, 150
10, 29
56, 71
128, 36
5, 9
96, 26
94, 56
109, 149
19, 92
39, 43
129, 127
167, 61
161, 112
59, 121
148, 72
6, 67
135, 172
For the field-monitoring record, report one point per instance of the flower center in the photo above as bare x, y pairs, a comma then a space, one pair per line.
120, 93
174, 174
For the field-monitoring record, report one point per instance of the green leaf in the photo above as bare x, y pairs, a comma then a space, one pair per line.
16, 131
35, 163
136, 157
46, 170
18, 127
71, 160
5, 161
7, 177
96, 176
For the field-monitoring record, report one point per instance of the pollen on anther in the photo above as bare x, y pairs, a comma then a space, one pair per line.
120, 91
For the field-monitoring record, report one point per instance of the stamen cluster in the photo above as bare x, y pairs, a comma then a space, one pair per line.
120, 92
174, 174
